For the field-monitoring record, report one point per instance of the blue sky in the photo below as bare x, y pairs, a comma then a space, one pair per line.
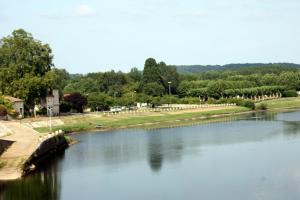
97, 35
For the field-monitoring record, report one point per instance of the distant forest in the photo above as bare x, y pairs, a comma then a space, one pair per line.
246, 67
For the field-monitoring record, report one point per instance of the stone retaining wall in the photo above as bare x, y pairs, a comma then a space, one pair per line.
46, 149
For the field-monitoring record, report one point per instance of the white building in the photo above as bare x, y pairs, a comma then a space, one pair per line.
52, 101
18, 104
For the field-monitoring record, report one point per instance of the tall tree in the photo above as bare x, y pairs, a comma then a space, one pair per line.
151, 71
24, 61
23, 54
168, 74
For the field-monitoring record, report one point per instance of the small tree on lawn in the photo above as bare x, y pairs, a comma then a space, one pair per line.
76, 100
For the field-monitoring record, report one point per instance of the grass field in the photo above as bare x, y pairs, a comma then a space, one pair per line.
283, 103
88, 122
160, 119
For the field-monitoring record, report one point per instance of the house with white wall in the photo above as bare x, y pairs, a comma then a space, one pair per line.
18, 104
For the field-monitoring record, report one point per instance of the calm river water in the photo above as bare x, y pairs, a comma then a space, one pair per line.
253, 157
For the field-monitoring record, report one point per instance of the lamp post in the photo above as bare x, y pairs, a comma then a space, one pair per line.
20, 116
169, 92
132, 97
50, 101
49, 108
169, 87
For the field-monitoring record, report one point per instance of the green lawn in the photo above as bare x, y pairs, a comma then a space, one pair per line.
164, 119
284, 103
87, 122
84, 123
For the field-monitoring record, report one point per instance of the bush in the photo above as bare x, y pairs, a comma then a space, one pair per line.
7, 104
248, 104
65, 107
262, 106
190, 100
3, 111
290, 93
239, 102
169, 99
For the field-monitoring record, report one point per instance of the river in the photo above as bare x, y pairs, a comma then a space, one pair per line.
252, 157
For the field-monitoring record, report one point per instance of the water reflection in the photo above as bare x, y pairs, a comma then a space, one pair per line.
291, 128
241, 159
163, 147
155, 152
45, 184
259, 116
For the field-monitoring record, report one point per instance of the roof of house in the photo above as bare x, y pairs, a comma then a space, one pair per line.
13, 99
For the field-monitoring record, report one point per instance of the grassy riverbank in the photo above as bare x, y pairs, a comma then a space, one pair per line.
161, 119
284, 103
88, 122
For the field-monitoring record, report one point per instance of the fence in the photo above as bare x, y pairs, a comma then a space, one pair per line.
171, 108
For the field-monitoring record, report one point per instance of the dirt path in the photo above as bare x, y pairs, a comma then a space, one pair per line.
26, 142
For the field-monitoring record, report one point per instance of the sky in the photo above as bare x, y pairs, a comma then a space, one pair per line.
101, 35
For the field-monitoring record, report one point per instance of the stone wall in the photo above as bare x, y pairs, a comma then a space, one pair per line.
46, 149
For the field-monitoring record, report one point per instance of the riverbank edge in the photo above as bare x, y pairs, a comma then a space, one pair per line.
46, 149
154, 125
214, 118
185, 122
86, 123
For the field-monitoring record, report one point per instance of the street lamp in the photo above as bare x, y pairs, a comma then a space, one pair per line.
50, 102
132, 97
20, 116
169, 92
49, 108
169, 87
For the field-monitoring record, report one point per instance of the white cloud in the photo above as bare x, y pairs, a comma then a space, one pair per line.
84, 10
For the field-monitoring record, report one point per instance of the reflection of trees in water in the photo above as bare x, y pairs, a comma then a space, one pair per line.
155, 151
163, 147
260, 116
291, 128
42, 185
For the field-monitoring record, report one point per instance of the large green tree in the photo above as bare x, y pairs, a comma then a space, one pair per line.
24, 61
151, 71
160, 73
168, 74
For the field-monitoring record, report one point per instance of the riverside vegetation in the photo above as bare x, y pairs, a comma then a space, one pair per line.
87, 122
27, 72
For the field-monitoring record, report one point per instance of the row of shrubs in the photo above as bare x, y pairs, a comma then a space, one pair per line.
240, 102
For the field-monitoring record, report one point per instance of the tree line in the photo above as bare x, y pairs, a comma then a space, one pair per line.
27, 72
